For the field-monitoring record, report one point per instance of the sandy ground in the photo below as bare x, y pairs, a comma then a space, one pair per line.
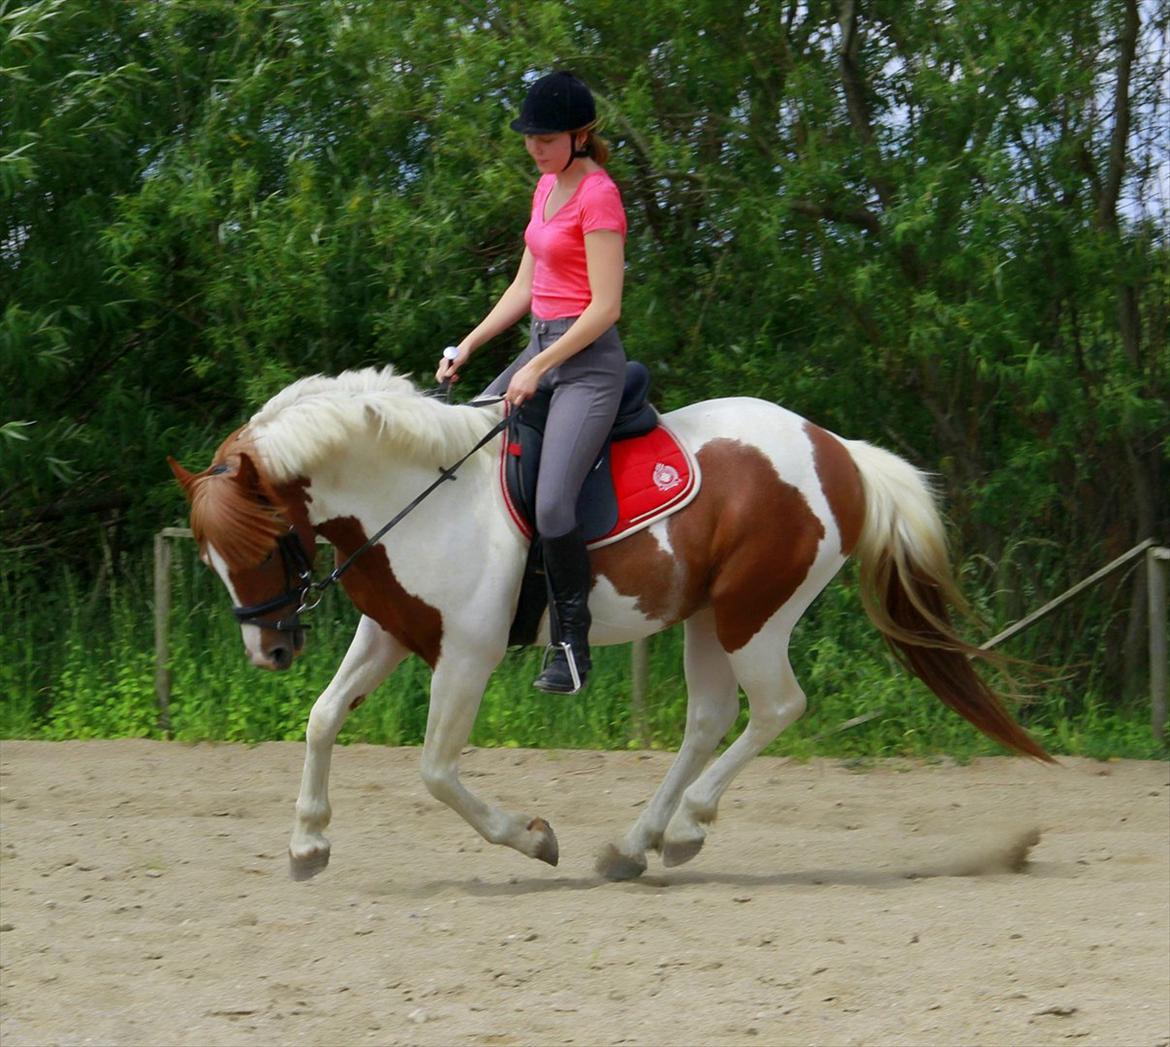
146, 901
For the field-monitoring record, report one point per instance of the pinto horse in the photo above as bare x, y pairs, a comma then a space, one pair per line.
782, 505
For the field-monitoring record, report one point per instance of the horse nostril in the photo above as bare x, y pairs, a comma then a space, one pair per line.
280, 657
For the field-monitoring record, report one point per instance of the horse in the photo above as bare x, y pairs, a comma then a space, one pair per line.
782, 504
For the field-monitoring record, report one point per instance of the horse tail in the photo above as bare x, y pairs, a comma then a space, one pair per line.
909, 590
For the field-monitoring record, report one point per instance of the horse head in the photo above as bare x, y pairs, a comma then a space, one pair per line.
257, 538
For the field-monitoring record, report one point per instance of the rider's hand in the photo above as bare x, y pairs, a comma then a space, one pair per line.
448, 368
523, 384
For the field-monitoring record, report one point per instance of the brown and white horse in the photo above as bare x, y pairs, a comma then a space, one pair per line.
782, 505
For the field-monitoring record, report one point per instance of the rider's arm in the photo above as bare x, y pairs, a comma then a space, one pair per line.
512, 306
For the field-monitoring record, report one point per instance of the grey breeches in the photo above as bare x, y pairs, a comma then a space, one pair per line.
586, 391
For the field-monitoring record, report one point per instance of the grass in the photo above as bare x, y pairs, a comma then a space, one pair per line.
77, 663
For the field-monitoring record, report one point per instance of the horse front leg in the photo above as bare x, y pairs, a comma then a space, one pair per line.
373, 654
456, 690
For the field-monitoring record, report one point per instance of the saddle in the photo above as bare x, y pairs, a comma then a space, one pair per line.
642, 474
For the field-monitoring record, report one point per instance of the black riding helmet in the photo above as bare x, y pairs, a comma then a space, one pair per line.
555, 103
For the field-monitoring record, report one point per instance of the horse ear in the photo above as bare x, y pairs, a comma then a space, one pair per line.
185, 478
247, 475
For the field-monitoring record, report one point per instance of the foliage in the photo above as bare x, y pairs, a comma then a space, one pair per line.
97, 680
938, 226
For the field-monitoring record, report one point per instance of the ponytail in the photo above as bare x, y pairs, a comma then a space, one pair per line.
595, 147
598, 148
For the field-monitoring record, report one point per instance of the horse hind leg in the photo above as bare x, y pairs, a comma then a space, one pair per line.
775, 701
712, 705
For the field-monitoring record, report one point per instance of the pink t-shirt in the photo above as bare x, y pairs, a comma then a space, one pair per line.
560, 283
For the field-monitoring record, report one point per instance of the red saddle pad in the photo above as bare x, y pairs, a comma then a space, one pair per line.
653, 475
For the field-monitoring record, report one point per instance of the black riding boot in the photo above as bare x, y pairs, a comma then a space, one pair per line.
569, 577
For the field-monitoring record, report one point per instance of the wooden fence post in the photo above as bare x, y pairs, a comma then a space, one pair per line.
640, 676
1158, 577
162, 616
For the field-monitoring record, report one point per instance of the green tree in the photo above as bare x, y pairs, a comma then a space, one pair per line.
941, 227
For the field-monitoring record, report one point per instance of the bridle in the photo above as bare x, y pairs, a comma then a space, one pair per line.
299, 585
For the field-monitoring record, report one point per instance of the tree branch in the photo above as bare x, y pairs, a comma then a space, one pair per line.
853, 81
858, 216
1107, 204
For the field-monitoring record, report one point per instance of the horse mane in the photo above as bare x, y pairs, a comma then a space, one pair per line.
316, 417
236, 504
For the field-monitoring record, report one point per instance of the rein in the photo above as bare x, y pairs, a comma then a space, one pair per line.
297, 562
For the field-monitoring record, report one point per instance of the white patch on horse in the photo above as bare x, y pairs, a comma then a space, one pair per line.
616, 618
660, 532
250, 633
814, 494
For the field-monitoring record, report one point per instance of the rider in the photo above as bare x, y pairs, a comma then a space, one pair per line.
570, 278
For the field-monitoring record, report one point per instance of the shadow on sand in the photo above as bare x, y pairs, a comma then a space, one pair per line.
990, 855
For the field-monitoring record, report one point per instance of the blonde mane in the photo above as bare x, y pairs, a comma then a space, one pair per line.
316, 417
305, 424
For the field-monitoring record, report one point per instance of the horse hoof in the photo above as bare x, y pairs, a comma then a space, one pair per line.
676, 852
546, 845
614, 865
306, 866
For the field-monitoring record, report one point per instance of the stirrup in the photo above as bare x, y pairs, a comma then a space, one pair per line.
566, 649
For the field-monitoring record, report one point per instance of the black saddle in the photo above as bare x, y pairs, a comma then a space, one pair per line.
597, 507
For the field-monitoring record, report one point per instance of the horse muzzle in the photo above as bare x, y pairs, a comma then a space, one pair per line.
275, 650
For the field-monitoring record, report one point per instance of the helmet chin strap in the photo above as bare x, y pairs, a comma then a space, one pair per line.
574, 152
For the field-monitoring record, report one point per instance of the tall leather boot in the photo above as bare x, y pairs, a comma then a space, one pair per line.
566, 562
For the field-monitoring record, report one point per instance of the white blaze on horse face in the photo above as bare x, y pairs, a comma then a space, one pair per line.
253, 640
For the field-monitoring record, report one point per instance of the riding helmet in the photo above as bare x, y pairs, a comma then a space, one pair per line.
556, 102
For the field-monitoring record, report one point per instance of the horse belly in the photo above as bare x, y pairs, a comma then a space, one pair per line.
616, 619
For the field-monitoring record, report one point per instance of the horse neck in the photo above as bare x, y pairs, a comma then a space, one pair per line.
371, 486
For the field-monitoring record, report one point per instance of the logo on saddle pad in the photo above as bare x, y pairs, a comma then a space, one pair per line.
666, 477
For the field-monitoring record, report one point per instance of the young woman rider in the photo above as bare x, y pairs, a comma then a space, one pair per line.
570, 279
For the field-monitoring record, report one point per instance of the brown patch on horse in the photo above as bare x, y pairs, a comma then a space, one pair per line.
765, 541
377, 592
227, 513
841, 483
258, 582
744, 546
356, 703
662, 586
